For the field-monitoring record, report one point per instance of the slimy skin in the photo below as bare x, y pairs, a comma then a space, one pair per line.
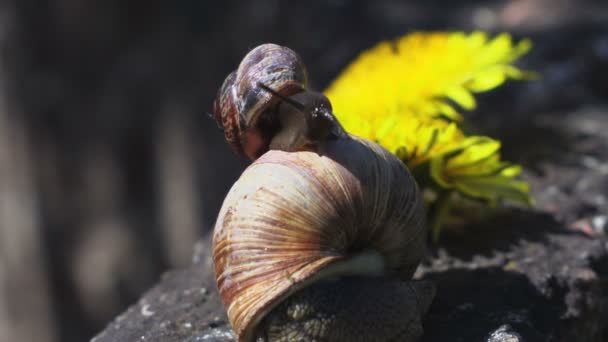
305, 119
350, 309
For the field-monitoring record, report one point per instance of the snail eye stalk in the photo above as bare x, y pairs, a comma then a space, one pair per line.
297, 105
319, 117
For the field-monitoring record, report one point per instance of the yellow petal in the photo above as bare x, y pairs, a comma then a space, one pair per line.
460, 95
447, 110
488, 79
417, 72
494, 188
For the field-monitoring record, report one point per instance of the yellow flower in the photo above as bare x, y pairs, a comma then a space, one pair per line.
474, 168
418, 73
401, 94
416, 140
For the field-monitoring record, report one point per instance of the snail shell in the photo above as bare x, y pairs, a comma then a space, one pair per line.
294, 218
244, 110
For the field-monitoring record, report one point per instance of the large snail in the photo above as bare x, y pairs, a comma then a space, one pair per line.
319, 237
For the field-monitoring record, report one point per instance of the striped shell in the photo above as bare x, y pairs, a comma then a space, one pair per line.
295, 217
244, 110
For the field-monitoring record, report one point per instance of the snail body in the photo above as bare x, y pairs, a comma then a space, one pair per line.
317, 205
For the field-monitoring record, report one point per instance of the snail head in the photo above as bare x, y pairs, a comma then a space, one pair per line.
319, 122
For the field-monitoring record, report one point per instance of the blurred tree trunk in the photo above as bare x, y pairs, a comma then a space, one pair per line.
178, 205
77, 215
25, 312
101, 163
25, 305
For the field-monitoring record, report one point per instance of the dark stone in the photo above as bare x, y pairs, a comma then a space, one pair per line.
184, 306
524, 279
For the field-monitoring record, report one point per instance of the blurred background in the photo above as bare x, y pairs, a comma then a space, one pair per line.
111, 168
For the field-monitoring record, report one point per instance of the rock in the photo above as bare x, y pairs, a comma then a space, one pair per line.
519, 277
504, 334
184, 306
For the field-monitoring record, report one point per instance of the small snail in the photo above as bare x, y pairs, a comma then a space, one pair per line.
251, 107
320, 236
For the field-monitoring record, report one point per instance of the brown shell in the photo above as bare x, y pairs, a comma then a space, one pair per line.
293, 215
243, 109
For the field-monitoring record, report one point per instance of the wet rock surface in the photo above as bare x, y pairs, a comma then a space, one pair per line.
533, 281
184, 306
536, 281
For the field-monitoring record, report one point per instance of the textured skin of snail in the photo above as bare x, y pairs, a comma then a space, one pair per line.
351, 309
315, 244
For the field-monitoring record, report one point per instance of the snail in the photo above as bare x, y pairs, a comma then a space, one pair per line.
320, 236
247, 108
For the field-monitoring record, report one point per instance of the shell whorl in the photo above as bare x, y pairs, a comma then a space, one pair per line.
244, 110
293, 215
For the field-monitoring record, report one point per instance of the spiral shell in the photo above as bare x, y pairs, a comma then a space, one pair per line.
296, 217
243, 110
